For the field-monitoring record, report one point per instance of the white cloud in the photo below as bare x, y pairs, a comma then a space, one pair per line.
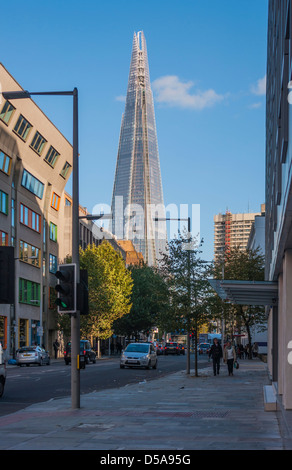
121, 98
260, 87
172, 91
255, 106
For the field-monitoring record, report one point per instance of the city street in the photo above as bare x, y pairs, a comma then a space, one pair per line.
28, 385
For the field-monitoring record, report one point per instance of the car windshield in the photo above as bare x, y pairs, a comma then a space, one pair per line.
205, 345
141, 348
22, 350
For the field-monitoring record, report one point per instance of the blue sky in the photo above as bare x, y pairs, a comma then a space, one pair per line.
207, 62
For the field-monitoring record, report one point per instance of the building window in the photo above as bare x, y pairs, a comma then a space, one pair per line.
5, 163
3, 331
65, 169
3, 202
22, 128
53, 232
7, 112
23, 339
3, 238
12, 213
38, 143
29, 254
55, 203
51, 156
29, 292
30, 218
67, 202
32, 184
53, 264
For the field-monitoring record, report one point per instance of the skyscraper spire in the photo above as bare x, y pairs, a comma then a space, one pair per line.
137, 194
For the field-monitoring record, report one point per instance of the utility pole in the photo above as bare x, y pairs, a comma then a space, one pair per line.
189, 300
75, 317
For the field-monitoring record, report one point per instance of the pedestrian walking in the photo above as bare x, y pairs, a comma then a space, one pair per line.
246, 351
56, 346
255, 350
229, 357
216, 354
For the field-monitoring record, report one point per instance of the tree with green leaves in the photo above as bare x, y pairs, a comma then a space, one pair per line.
109, 288
185, 274
242, 265
149, 301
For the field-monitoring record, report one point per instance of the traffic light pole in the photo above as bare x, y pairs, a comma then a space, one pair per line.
75, 317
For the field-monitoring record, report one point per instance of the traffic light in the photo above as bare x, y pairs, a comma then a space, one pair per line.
66, 288
7, 275
82, 293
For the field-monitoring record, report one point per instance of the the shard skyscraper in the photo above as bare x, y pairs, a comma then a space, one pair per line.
137, 193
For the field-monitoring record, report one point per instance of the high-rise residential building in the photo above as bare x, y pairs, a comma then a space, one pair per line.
232, 231
137, 193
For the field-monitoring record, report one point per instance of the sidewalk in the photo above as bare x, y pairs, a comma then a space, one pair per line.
176, 412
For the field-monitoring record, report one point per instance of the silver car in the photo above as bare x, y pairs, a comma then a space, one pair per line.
32, 355
139, 355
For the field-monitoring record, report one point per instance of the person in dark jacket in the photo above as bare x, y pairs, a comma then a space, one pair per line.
216, 354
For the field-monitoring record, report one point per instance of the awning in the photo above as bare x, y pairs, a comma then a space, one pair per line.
246, 292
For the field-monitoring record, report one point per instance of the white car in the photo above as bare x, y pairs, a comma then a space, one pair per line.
139, 355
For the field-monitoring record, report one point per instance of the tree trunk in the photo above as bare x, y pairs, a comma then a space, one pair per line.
98, 347
249, 340
196, 354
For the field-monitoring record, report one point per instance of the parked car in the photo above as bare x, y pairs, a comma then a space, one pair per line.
28, 355
182, 348
171, 348
204, 348
139, 355
85, 350
160, 349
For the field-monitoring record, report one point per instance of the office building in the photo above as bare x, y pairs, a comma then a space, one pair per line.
35, 164
137, 193
278, 240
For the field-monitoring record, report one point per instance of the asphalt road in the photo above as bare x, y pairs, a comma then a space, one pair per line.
34, 384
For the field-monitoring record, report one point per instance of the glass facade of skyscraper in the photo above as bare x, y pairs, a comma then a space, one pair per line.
137, 194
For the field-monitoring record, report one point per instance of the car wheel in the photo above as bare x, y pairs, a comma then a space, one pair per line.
148, 366
122, 367
66, 362
155, 365
87, 360
93, 361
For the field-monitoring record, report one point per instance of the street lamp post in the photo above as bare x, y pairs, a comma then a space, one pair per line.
75, 317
